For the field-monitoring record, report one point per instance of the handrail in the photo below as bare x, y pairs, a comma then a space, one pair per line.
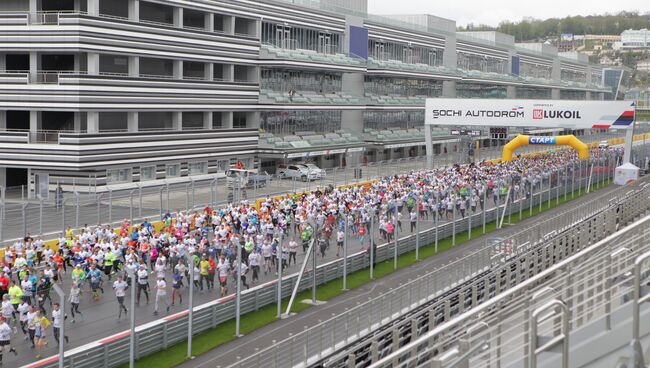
506, 295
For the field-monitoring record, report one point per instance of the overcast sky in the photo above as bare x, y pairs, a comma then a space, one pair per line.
494, 11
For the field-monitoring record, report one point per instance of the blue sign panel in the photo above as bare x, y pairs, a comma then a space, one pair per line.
515, 65
359, 42
541, 140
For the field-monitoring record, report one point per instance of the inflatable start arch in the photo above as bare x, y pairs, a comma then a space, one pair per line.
561, 140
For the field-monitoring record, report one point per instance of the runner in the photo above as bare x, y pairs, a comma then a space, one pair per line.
143, 282
57, 321
161, 294
177, 284
74, 299
223, 269
120, 287
95, 277
5, 339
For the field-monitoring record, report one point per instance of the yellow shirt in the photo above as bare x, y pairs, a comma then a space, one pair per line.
203, 267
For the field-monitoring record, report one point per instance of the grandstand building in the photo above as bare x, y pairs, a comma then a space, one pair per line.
134, 92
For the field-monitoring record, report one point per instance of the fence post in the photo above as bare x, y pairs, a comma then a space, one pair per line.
40, 216
139, 201
63, 216
483, 207
187, 197
453, 225
2, 209
193, 194
110, 206
131, 205
76, 214
162, 212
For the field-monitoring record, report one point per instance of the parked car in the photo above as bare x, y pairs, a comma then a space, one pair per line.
242, 178
300, 172
603, 144
320, 173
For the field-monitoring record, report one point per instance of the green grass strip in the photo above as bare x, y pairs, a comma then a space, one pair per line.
224, 332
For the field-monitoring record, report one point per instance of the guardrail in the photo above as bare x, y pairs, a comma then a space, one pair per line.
578, 296
160, 334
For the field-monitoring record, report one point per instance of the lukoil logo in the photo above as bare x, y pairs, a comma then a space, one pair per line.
538, 114
541, 140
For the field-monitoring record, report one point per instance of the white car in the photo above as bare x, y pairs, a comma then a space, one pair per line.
603, 144
297, 172
313, 168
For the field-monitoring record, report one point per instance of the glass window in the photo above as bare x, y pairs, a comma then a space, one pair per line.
118, 176
222, 165
198, 168
173, 171
147, 173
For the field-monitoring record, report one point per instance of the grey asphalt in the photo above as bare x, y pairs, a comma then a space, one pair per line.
229, 353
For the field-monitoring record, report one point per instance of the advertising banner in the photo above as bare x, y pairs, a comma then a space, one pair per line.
530, 113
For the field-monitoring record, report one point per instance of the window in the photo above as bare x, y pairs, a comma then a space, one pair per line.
173, 171
147, 173
118, 176
222, 165
198, 168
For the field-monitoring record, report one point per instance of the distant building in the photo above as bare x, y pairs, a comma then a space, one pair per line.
633, 39
603, 38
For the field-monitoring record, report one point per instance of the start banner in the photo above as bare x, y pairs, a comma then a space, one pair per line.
530, 113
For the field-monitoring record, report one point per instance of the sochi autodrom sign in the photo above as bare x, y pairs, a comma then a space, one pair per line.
530, 113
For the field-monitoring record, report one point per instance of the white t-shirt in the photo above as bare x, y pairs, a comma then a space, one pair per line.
5, 332
161, 287
23, 309
56, 318
120, 287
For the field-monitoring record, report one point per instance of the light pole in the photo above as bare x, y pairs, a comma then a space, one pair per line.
132, 322
61, 295
190, 314
238, 296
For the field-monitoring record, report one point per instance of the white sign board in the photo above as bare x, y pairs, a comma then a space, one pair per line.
530, 113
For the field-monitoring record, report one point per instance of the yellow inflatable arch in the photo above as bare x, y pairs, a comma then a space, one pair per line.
561, 140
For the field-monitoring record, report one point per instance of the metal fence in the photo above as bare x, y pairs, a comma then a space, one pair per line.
163, 333
583, 310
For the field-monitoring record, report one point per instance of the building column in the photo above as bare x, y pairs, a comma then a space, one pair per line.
3, 177
589, 97
352, 84
226, 120
92, 122
34, 64
77, 121
178, 17
3, 119
177, 120
229, 24
228, 72
207, 120
93, 7
33, 121
511, 92
449, 89
209, 22
208, 71
178, 69
428, 141
132, 121
134, 66
93, 63
33, 9
555, 94
134, 10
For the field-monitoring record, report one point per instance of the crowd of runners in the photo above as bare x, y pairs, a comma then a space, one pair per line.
201, 247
